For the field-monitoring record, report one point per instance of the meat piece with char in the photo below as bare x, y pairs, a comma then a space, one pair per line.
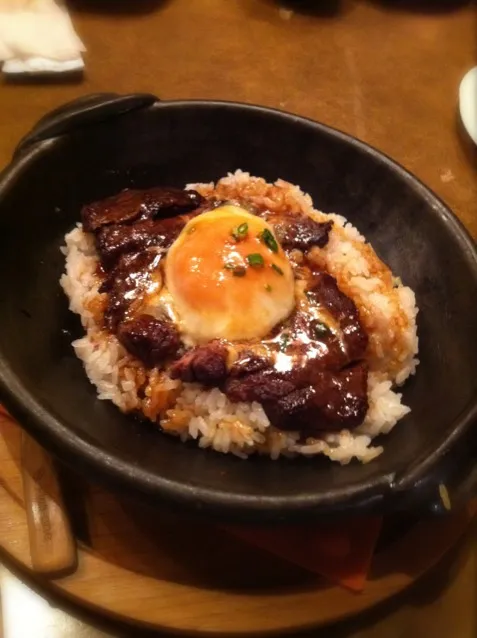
327, 400
204, 364
300, 231
149, 339
128, 282
335, 401
132, 205
324, 291
264, 386
113, 241
248, 362
313, 345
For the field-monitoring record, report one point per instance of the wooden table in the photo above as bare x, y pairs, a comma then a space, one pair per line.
373, 68
387, 72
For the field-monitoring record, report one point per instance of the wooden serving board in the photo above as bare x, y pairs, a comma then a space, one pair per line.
154, 569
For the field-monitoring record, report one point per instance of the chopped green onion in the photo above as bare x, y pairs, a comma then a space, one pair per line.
321, 329
240, 232
284, 339
255, 260
269, 240
277, 269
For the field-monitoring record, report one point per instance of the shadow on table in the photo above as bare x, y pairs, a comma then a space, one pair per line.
319, 9
334, 8
33, 79
422, 6
124, 7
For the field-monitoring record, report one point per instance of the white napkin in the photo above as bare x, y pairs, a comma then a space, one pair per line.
468, 102
37, 36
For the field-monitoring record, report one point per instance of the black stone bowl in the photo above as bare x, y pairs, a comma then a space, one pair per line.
100, 144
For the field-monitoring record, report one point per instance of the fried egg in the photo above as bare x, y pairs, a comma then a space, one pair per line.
228, 277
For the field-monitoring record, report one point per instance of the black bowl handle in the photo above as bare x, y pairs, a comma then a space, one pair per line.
88, 109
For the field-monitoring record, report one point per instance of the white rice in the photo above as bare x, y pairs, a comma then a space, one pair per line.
387, 310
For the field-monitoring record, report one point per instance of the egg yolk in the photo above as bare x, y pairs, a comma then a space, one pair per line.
228, 276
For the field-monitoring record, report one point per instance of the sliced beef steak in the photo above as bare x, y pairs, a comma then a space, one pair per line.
113, 241
149, 339
204, 364
324, 291
328, 400
248, 362
336, 401
132, 205
127, 284
263, 386
318, 381
300, 231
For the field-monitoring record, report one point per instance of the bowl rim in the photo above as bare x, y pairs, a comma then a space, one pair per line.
82, 455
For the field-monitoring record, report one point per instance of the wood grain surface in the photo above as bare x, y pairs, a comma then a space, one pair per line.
385, 71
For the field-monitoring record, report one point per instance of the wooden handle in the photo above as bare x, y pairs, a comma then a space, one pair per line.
52, 546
